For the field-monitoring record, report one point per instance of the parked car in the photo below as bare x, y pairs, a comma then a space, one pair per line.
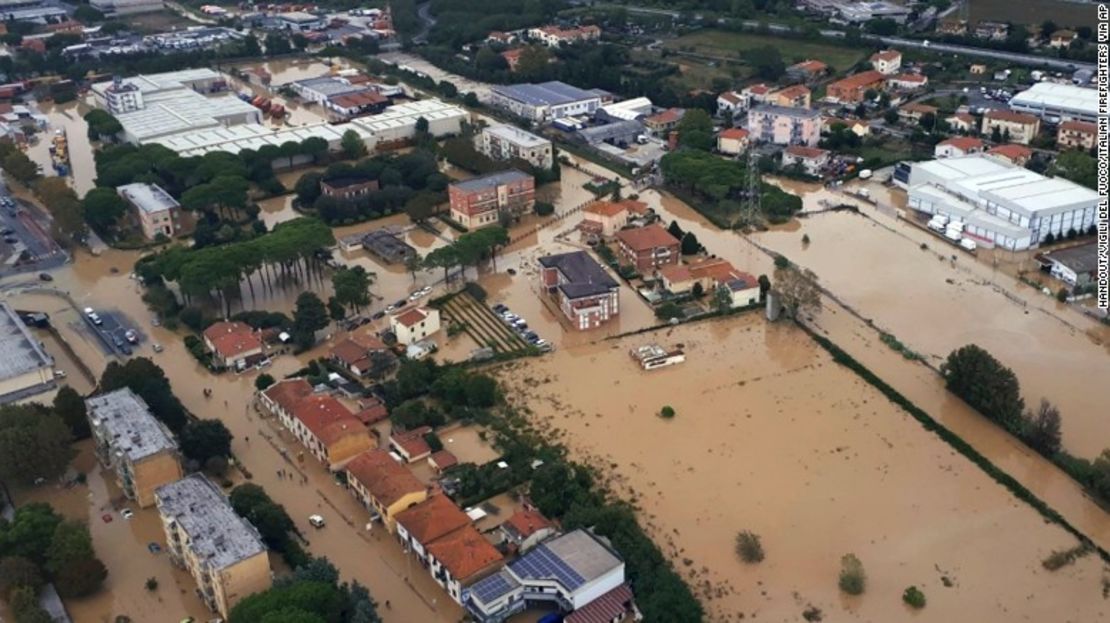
500, 308
317, 521
131, 336
157, 348
46, 277
378, 314
127, 513
93, 316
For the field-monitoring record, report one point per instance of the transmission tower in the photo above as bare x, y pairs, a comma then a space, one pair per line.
751, 209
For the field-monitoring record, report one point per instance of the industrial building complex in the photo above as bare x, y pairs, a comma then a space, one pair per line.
25, 368
1055, 102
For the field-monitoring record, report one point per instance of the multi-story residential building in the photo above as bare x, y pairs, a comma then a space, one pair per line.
606, 218
384, 486
887, 62
731, 102
585, 294
851, 90
525, 529
811, 159
784, 126
133, 443
1000, 204
1013, 126
807, 70
326, 428
795, 96
155, 211
732, 141
1018, 155
25, 369
907, 82
221, 550
665, 121
914, 112
505, 142
479, 202
957, 146
414, 324
961, 122
545, 101
122, 97
569, 572
555, 36
362, 353
349, 188
711, 274
648, 248
1076, 135
425, 522
234, 345
460, 558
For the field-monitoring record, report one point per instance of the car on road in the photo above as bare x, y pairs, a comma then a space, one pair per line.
93, 316
46, 277
131, 336
378, 315
317, 521
59, 374
500, 308
127, 513
157, 347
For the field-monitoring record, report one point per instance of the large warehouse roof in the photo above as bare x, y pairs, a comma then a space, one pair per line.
160, 82
180, 110
551, 93
1052, 97
22, 352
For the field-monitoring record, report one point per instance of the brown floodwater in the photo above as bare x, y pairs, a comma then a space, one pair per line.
771, 436
68, 117
283, 72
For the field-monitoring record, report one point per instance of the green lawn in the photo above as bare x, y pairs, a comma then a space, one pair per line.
733, 44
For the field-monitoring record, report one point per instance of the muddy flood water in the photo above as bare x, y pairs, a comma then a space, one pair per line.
771, 436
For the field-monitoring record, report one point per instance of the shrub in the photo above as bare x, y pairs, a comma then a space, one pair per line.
749, 547
667, 412
1062, 295
542, 208
853, 580
781, 262
152, 584
914, 597
263, 381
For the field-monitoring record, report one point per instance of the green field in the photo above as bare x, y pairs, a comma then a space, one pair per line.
1062, 13
733, 44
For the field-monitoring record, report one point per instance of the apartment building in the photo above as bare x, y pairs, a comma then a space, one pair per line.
326, 428
25, 368
384, 486
350, 188
1076, 135
555, 36
155, 211
478, 202
581, 288
1014, 127
648, 248
221, 550
887, 62
796, 96
133, 443
851, 90
784, 126
732, 141
811, 159
505, 142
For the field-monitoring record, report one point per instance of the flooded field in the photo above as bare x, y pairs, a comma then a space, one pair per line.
771, 436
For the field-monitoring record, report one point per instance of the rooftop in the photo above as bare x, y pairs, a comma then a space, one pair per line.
793, 92
797, 113
385, 479
608, 607
886, 55
733, 133
432, 519
963, 143
1081, 259
573, 559
1054, 95
329, 85
584, 276
801, 151
356, 348
286, 393
411, 442
464, 553
516, 136
492, 180
1011, 117
860, 80
345, 182
217, 535
1011, 151
809, 66
170, 80
443, 459
526, 522
175, 111
647, 238
327, 419
149, 198
544, 94
129, 425
299, 17
411, 316
1079, 126
232, 338
22, 352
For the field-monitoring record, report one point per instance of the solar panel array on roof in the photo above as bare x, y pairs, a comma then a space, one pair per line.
543, 564
544, 94
492, 588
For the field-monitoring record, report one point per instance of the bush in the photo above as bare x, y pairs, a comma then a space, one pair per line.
668, 310
914, 597
152, 584
667, 412
749, 547
542, 208
263, 381
853, 580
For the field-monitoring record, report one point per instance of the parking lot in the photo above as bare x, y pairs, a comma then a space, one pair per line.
117, 335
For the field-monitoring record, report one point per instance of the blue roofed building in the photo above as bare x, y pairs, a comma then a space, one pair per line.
568, 572
545, 101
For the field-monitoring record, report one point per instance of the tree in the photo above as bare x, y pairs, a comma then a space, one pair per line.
748, 547
1077, 166
914, 598
1100, 474
87, 14
797, 290
695, 130
70, 406
314, 146
16, 572
71, 543
352, 145
103, 208
767, 62
336, 310
307, 188
413, 264
853, 580
722, 299
34, 443
352, 287
20, 167
201, 440
1041, 429
422, 123
676, 230
764, 286
891, 116
29, 533
263, 381
80, 578
984, 383
309, 316
534, 62
690, 244
149, 382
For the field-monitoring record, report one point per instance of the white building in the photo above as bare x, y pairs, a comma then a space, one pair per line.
545, 101
300, 21
505, 142
999, 203
628, 110
1055, 102
112, 8
887, 62
25, 368
154, 209
414, 325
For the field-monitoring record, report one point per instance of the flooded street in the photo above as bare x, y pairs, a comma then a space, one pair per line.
771, 436
68, 117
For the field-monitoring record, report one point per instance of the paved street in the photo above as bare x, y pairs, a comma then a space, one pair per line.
26, 244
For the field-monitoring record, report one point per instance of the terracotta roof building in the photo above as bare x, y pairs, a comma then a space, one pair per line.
732, 141
411, 444
957, 146
887, 62
442, 461
1076, 135
526, 528
807, 70
414, 324
360, 352
665, 121
233, 344
1012, 126
851, 90
427, 521
460, 558
384, 486
612, 606
796, 96
648, 248
329, 430
606, 218
1016, 154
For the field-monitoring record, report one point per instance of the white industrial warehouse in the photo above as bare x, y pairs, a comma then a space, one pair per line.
1055, 102
999, 203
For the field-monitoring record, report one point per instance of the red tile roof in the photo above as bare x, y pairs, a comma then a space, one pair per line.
963, 117
802, 151
1079, 126
288, 392
432, 518
758, 89
358, 100
1015, 153
859, 81
373, 411
232, 338
605, 608
794, 92
386, 480
443, 460
963, 143
356, 349
730, 97
411, 317
671, 115
412, 442
810, 66
733, 133
526, 522
465, 553
647, 238
886, 55
916, 78
605, 208
1012, 117
327, 419
919, 108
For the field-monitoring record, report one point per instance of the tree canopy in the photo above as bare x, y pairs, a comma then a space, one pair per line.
34, 443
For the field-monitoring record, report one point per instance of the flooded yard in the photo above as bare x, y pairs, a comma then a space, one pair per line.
70, 119
771, 436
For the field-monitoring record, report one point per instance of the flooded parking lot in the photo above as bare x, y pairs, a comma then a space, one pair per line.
771, 436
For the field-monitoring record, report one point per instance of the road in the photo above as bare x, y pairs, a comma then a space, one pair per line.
28, 232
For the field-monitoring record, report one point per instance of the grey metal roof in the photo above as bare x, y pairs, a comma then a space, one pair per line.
584, 276
1081, 259
217, 535
492, 180
149, 198
516, 136
545, 93
573, 559
128, 424
329, 86
21, 351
